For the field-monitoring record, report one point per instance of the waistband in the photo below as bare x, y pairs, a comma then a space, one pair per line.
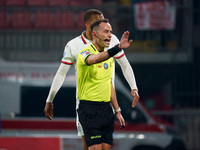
93, 102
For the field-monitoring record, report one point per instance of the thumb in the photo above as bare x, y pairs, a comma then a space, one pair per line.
130, 41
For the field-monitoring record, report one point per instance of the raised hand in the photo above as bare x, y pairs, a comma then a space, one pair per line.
124, 42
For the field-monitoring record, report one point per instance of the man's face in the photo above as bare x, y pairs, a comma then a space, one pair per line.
93, 19
104, 34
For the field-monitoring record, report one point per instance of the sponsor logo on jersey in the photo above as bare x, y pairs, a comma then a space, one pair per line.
85, 53
105, 66
64, 54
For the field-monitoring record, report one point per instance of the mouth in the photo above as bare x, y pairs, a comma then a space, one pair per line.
107, 40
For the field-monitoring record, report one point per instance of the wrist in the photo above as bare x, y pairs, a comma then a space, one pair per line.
134, 90
118, 110
119, 46
49, 100
113, 51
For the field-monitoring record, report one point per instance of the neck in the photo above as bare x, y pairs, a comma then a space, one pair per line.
88, 34
98, 47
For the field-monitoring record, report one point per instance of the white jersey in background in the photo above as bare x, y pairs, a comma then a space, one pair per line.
70, 56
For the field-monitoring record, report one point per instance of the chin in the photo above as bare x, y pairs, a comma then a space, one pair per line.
107, 45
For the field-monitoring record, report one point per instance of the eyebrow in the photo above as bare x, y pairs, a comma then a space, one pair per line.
108, 30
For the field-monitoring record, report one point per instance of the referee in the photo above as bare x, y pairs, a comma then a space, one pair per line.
70, 57
94, 73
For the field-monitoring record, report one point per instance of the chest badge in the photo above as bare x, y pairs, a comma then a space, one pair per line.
105, 66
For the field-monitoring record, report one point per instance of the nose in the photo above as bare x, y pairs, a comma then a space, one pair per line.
109, 35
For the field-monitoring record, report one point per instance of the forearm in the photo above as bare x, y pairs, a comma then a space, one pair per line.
100, 57
57, 81
127, 72
114, 103
113, 99
94, 59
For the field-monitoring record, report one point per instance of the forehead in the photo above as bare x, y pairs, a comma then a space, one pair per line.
105, 26
96, 17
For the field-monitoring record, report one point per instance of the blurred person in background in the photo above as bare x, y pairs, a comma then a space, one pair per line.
71, 51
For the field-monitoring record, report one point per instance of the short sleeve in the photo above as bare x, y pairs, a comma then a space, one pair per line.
83, 55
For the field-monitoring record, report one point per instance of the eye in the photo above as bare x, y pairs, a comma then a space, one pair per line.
107, 31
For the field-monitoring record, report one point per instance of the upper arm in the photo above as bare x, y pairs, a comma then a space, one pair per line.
90, 59
67, 55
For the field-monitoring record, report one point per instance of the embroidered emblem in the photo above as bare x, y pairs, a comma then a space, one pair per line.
105, 66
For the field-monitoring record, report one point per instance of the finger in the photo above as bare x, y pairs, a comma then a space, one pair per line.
123, 36
46, 112
136, 98
123, 122
51, 113
126, 34
48, 116
122, 126
133, 104
135, 101
120, 119
120, 123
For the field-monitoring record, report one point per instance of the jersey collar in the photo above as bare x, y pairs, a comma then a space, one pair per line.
84, 39
95, 49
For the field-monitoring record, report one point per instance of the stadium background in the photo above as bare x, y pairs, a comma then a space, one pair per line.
166, 61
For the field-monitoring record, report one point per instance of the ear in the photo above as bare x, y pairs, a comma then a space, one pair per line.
87, 24
94, 34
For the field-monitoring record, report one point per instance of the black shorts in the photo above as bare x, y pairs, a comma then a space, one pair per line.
97, 120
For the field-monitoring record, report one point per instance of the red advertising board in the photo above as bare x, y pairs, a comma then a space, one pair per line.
155, 15
29, 143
